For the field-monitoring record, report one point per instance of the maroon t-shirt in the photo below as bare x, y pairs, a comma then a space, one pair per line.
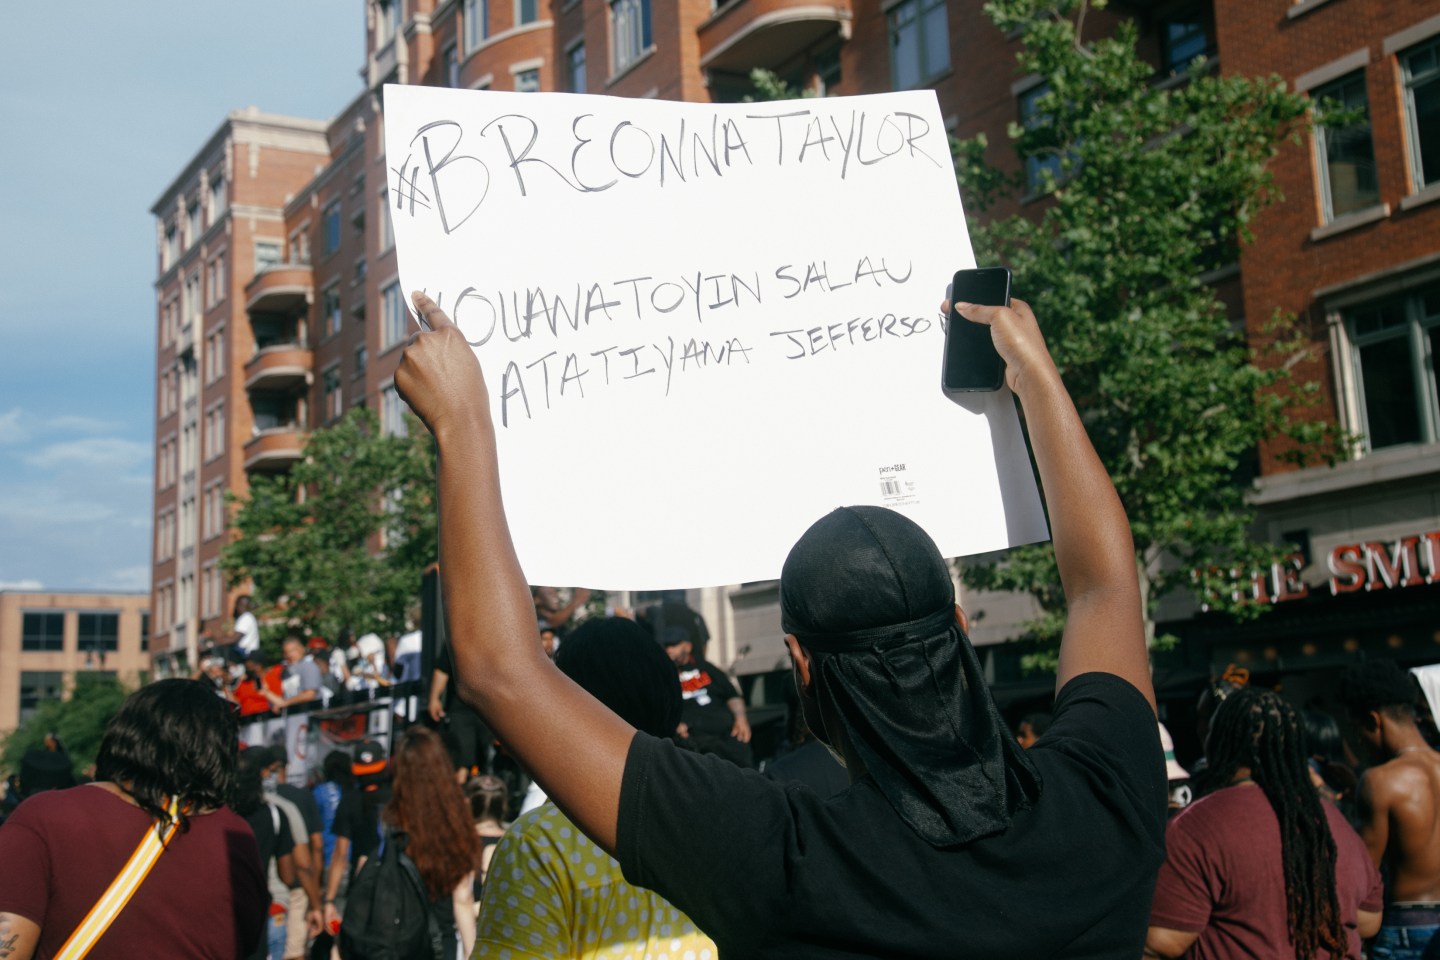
206, 896
1223, 877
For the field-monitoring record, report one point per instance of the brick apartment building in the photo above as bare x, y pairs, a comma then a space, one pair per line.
278, 305
46, 639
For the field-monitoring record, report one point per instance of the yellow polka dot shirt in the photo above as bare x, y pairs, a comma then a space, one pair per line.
552, 893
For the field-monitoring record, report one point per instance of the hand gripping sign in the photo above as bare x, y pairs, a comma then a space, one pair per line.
702, 326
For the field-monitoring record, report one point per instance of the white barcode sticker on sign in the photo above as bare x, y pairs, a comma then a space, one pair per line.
897, 485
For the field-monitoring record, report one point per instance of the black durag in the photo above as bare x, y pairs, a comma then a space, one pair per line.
868, 595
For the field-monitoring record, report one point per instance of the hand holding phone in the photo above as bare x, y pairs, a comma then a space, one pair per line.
971, 363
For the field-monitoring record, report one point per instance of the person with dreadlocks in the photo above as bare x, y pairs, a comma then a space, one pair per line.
951, 840
1399, 806
1260, 866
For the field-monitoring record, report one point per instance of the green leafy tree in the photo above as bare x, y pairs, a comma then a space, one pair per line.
342, 539
1147, 188
79, 721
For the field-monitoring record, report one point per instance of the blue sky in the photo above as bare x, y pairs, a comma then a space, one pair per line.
101, 104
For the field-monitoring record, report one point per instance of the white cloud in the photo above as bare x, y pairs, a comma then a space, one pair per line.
22, 586
108, 453
73, 424
124, 579
11, 430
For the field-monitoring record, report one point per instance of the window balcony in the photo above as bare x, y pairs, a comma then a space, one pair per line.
281, 288
284, 367
745, 34
274, 449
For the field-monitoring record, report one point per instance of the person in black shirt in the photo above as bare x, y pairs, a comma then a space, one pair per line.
357, 820
951, 840
712, 715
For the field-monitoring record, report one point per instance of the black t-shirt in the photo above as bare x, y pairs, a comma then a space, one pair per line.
705, 689
357, 819
274, 841
790, 874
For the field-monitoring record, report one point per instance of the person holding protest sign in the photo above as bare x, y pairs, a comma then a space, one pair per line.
949, 835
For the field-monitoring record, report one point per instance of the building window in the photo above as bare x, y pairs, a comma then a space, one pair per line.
1346, 153
215, 278
1421, 69
919, 42
1396, 345
334, 398
451, 60
217, 196
477, 23
1043, 170
300, 245
267, 255
630, 31
576, 59
215, 355
193, 303
274, 411
171, 251
332, 228
387, 22
36, 687
392, 316
392, 413
144, 631
42, 631
98, 632
526, 11
527, 81
192, 223
215, 432
330, 309
362, 357
1183, 38
387, 226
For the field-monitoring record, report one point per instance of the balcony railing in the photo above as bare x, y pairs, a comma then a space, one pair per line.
283, 367
281, 288
274, 449
745, 34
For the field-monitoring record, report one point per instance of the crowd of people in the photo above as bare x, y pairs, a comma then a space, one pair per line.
909, 819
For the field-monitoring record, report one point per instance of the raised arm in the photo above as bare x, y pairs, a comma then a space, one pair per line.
1104, 628
500, 668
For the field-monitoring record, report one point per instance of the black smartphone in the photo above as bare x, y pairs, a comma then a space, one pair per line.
971, 361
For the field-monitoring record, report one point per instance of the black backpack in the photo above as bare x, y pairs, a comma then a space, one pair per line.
387, 911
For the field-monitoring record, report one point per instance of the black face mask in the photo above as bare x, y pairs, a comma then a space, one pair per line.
867, 593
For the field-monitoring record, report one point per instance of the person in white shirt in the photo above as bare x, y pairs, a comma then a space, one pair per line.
247, 629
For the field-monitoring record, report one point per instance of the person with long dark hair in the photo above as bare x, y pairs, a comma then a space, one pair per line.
1260, 866
429, 807
489, 808
168, 758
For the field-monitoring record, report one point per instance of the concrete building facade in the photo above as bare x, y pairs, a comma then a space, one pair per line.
1354, 251
46, 639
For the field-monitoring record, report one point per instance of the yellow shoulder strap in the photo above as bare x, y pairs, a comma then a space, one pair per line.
121, 889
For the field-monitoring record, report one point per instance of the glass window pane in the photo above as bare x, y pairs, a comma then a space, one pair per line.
1383, 316
1425, 104
937, 41
905, 46
1391, 413
1349, 151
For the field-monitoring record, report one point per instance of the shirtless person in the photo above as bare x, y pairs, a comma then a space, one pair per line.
1399, 804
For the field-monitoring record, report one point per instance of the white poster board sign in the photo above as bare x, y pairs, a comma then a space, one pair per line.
703, 326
